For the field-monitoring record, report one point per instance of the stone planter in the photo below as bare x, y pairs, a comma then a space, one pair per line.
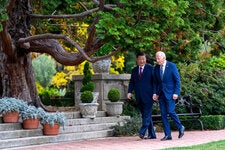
102, 66
88, 110
114, 108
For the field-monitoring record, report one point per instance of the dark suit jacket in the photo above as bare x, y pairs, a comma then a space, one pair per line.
171, 80
143, 87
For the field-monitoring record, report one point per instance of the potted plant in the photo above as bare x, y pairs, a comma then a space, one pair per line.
51, 122
113, 106
30, 117
87, 84
10, 108
88, 99
88, 108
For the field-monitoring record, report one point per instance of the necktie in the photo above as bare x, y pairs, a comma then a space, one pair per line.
161, 71
140, 73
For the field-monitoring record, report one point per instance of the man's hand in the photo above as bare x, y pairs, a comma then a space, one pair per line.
175, 96
129, 95
155, 97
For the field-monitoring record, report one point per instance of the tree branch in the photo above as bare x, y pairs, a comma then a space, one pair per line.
45, 43
80, 15
8, 46
107, 6
23, 41
83, 14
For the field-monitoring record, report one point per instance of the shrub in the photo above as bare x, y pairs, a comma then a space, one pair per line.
86, 97
130, 108
114, 95
88, 87
213, 122
86, 81
52, 118
9, 104
44, 71
31, 112
129, 128
206, 86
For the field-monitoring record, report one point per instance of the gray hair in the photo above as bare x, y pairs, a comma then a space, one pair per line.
161, 54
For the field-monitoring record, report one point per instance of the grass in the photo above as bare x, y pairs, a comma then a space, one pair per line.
218, 145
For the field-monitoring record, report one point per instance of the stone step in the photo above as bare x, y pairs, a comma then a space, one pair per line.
67, 129
20, 134
13, 136
37, 140
72, 115
10, 126
81, 121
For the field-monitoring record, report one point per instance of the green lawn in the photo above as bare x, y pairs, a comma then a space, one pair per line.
218, 145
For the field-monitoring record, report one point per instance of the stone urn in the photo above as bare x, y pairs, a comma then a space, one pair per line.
102, 66
114, 108
88, 110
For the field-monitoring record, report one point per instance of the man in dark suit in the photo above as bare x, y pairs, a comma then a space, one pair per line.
141, 83
167, 80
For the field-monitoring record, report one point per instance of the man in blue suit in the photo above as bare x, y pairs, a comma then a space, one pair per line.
141, 83
167, 80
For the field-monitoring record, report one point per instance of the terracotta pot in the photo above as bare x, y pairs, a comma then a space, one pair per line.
11, 117
30, 123
51, 130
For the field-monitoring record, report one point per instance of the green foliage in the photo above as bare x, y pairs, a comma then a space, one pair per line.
44, 69
218, 61
213, 122
130, 109
177, 27
9, 104
3, 12
206, 86
52, 91
48, 7
104, 50
45, 97
31, 112
88, 87
87, 74
86, 81
114, 95
129, 128
52, 118
130, 61
86, 97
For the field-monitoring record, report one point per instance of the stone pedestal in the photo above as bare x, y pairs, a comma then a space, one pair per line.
103, 83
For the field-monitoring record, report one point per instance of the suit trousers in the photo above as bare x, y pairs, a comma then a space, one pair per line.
167, 106
146, 115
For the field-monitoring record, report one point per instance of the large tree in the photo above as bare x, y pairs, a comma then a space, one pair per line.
16, 44
178, 26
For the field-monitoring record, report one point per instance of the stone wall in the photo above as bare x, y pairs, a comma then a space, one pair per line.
103, 83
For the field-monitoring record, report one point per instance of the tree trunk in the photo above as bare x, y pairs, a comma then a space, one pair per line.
16, 73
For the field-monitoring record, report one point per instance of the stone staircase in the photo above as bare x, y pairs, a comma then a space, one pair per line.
12, 135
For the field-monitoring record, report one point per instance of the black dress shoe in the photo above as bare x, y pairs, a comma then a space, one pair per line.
149, 137
166, 138
141, 136
181, 132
